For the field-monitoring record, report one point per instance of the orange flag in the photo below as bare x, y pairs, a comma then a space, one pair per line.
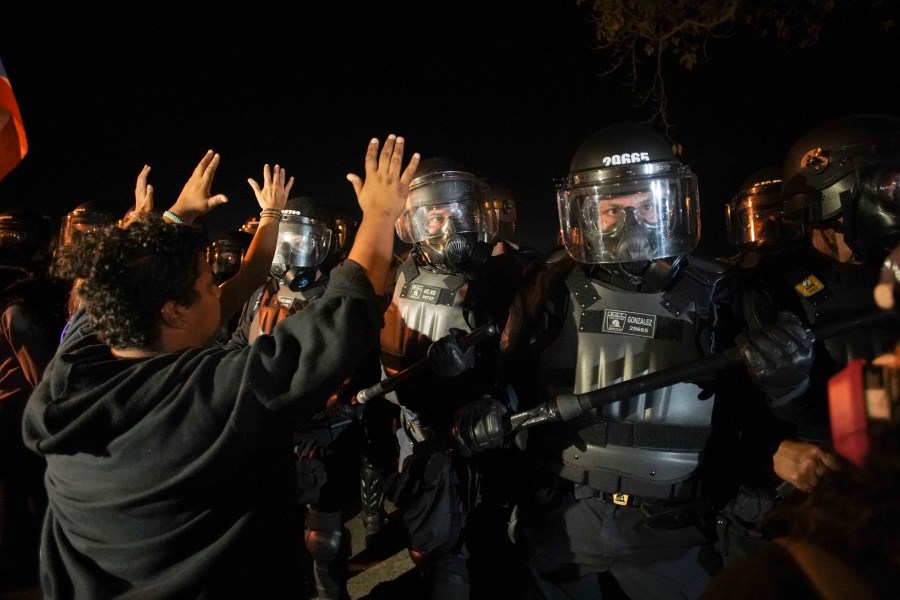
13, 144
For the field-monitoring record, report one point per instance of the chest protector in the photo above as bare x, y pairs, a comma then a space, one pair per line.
647, 445
274, 304
424, 307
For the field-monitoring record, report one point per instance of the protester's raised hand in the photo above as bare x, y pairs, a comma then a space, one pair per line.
386, 185
143, 198
274, 192
143, 192
196, 198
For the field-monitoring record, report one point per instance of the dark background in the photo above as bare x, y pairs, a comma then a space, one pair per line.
507, 88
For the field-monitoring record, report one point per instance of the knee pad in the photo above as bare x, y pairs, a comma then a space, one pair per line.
324, 532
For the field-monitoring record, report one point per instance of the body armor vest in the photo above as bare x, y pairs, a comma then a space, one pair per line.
424, 307
270, 305
646, 445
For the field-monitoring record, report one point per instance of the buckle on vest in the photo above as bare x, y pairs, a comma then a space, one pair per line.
620, 499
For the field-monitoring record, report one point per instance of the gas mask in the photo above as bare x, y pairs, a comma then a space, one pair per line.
303, 244
450, 220
872, 213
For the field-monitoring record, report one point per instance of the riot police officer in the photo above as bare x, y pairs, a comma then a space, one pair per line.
628, 488
754, 217
313, 237
840, 183
457, 277
225, 254
91, 215
26, 242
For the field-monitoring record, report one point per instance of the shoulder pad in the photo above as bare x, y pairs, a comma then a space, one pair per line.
707, 270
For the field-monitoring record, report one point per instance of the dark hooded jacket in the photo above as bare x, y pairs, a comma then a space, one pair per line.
172, 476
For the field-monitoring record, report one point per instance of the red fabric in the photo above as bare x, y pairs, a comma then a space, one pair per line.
13, 143
847, 409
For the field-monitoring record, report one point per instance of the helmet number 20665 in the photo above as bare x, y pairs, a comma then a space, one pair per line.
626, 159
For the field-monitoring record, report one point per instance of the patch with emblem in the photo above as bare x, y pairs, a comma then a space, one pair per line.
809, 285
421, 293
629, 323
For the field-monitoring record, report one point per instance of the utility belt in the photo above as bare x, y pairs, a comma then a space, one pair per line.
657, 513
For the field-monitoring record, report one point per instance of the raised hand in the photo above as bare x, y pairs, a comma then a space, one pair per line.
274, 192
143, 192
195, 198
382, 198
385, 188
143, 198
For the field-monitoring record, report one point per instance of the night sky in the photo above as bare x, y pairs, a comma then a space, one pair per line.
508, 89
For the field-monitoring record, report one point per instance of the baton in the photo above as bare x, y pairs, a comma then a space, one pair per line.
568, 406
386, 385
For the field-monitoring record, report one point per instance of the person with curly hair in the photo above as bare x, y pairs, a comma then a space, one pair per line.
169, 470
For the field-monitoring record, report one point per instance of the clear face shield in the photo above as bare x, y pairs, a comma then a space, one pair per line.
78, 222
752, 220
628, 220
303, 244
446, 215
224, 259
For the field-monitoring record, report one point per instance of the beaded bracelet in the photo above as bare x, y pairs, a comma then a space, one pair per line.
175, 218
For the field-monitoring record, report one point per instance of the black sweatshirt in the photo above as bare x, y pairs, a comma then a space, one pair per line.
172, 476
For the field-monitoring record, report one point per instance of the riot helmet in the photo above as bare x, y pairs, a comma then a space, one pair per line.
850, 168
26, 241
225, 254
628, 202
251, 225
304, 241
449, 216
504, 205
346, 223
87, 216
754, 216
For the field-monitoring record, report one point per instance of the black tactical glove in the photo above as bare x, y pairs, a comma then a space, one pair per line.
479, 426
779, 356
447, 358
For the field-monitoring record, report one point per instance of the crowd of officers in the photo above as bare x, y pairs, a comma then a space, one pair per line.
619, 418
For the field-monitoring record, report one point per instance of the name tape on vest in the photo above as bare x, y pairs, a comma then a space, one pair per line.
422, 293
629, 323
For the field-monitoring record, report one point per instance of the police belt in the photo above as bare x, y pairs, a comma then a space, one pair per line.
687, 493
656, 512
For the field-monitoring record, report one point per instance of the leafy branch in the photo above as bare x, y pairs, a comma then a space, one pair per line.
645, 38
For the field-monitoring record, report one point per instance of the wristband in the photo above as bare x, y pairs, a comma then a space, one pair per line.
270, 212
173, 216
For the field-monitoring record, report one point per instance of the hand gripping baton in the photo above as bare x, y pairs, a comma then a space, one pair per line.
568, 406
386, 385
